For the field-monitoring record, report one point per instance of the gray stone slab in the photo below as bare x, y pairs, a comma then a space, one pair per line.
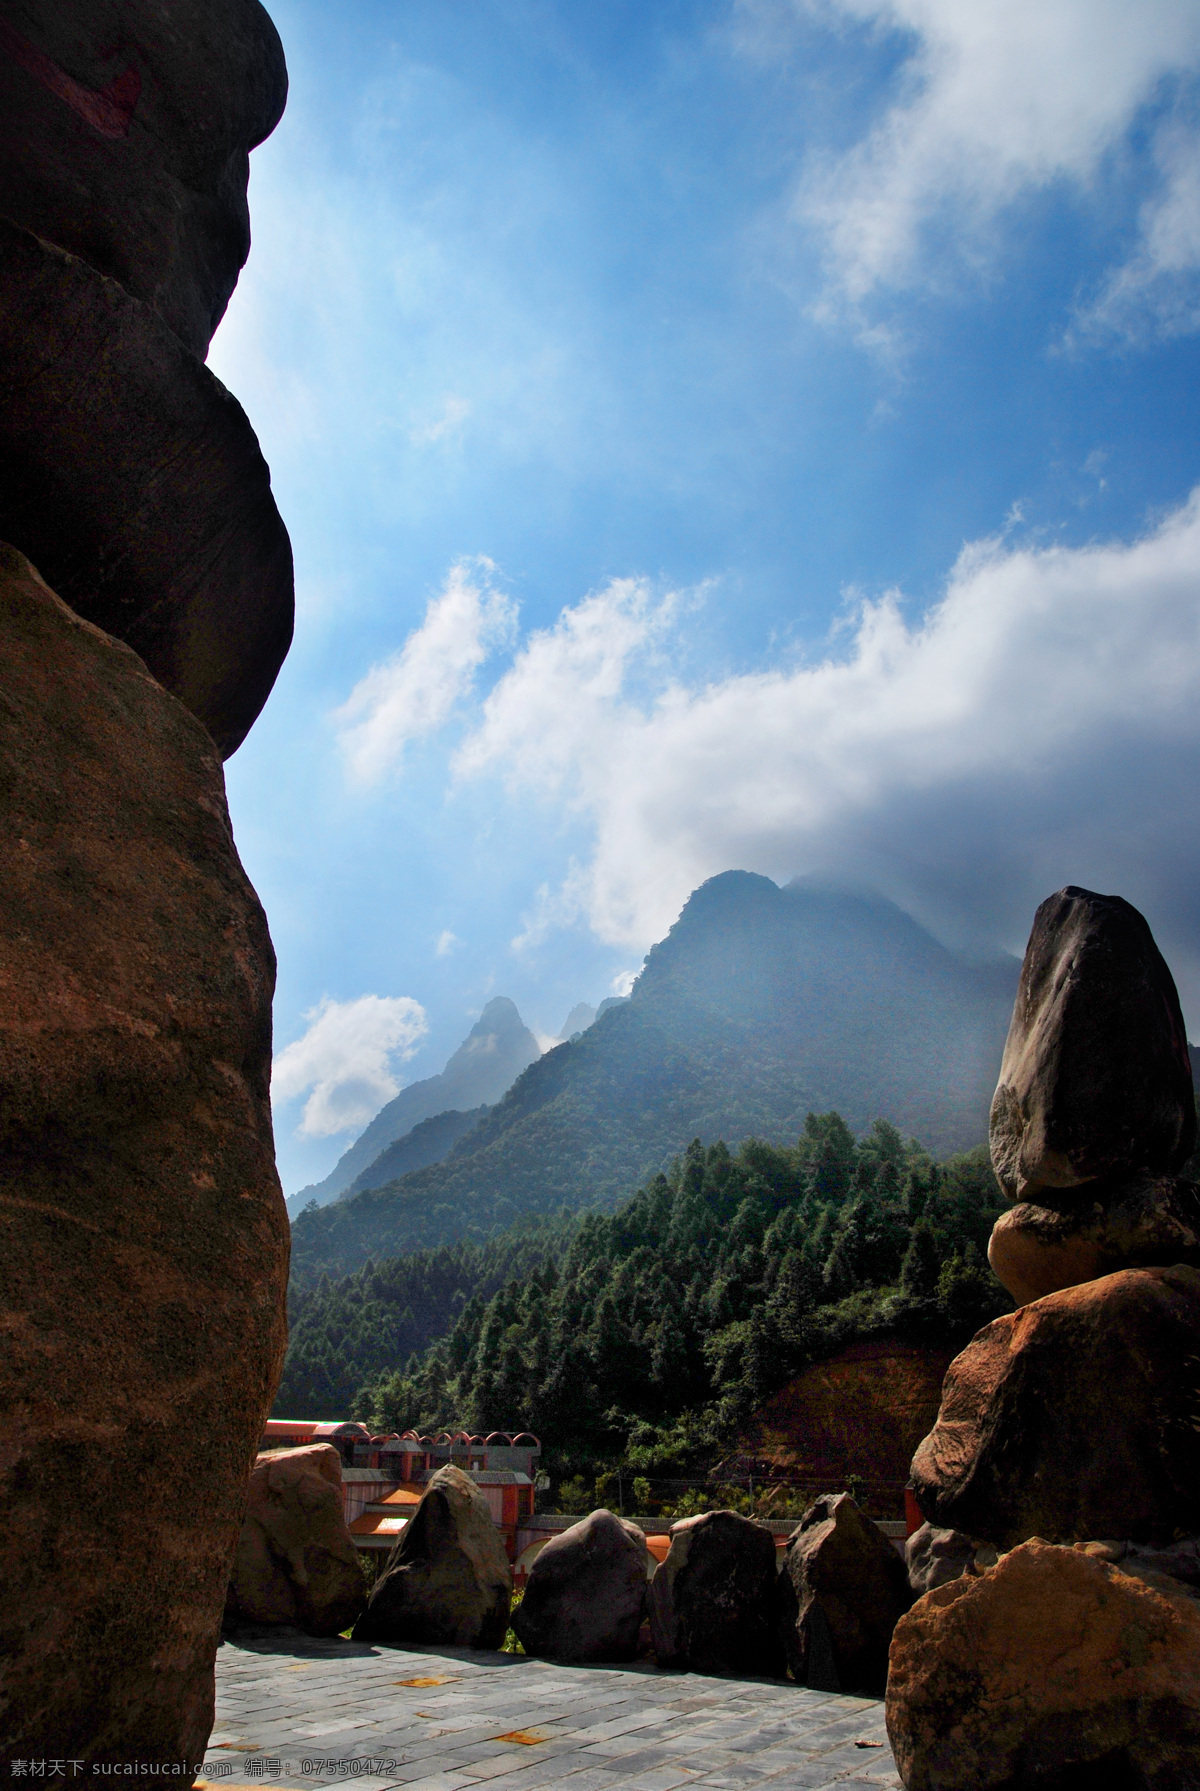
344, 1712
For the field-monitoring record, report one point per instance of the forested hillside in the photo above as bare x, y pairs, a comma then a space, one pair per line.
648, 1335
761, 1005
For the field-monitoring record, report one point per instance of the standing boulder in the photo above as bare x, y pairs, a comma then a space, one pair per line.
713, 1600
448, 1579
934, 1557
1146, 1222
841, 1572
145, 1240
1054, 1669
296, 1562
1095, 1081
1074, 1417
586, 1592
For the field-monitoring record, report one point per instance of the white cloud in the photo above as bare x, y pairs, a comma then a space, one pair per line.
451, 415
345, 1058
1041, 724
415, 692
996, 98
446, 941
1156, 292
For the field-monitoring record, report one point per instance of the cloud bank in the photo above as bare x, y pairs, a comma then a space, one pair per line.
1040, 724
344, 1060
997, 99
415, 691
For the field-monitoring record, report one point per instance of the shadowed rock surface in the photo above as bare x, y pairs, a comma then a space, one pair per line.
133, 481
841, 1565
296, 1562
125, 132
713, 1600
586, 1592
1074, 1417
1147, 1222
1095, 1081
145, 1241
935, 1557
1055, 1671
447, 1579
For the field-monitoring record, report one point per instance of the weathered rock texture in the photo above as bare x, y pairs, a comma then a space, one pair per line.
586, 1592
1146, 1222
1074, 1417
447, 1579
145, 1240
133, 481
1095, 1082
841, 1565
934, 1557
296, 1562
125, 132
1054, 1670
128, 474
713, 1600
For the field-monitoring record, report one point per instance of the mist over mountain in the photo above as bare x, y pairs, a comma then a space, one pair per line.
761, 1005
493, 1054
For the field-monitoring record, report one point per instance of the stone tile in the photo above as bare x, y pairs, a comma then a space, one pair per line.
604, 1728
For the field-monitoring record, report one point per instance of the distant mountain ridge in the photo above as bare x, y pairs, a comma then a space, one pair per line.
762, 1004
489, 1060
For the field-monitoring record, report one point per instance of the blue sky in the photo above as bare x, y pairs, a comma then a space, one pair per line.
757, 434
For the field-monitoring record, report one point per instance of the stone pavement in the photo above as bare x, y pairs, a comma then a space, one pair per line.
293, 1711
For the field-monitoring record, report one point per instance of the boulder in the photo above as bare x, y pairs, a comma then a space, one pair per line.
1053, 1670
1095, 1082
133, 481
145, 1240
586, 1592
1145, 1222
296, 1562
840, 1564
447, 1580
125, 132
713, 1599
934, 1557
1074, 1417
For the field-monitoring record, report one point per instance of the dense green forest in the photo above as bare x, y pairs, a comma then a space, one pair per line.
761, 1005
648, 1335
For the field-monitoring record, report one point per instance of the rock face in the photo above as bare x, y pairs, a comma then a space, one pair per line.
841, 1565
145, 1240
713, 1600
586, 1592
125, 132
1053, 1670
1074, 1417
1148, 1221
296, 1562
128, 474
133, 481
1095, 1082
448, 1579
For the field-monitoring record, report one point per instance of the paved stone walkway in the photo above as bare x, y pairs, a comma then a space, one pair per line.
296, 1712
